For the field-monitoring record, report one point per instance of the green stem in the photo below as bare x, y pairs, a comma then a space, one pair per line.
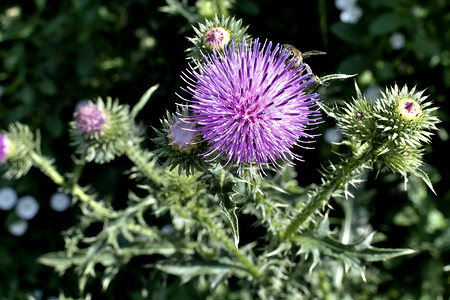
228, 244
143, 160
324, 192
45, 165
47, 168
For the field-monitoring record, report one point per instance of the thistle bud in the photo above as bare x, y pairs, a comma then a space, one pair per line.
182, 136
180, 143
392, 131
215, 35
101, 131
16, 146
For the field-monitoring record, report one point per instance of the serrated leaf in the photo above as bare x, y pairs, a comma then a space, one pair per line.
187, 272
230, 214
57, 260
360, 250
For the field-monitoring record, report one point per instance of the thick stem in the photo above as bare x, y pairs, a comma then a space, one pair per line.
324, 192
141, 159
47, 168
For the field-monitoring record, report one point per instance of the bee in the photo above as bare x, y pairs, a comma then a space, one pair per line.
295, 53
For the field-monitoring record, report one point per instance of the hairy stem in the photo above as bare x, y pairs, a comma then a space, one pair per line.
323, 193
144, 161
45, 165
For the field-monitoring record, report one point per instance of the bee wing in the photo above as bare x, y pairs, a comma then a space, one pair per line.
312, 52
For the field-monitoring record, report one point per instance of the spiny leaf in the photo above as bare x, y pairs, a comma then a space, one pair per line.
193, 269
361, 249
144, 99
234, 221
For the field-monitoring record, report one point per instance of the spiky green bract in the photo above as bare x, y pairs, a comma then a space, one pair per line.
233, 26
385, 133
186, 155
21, 144
116, 133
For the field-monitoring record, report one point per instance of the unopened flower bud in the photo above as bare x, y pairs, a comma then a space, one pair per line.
215, 35
101, 131
409, 109
216, 38
182, 135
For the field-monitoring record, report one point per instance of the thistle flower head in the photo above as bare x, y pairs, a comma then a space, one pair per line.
250, 107
101, 131
90, 120
16, 146
215, 35
5, 145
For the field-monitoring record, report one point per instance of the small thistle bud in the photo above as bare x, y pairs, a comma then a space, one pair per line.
215, 34
16, 146
101, 131
182, 135
179, 141
90, 120
216, 38
409, 109
392, 131
5, 148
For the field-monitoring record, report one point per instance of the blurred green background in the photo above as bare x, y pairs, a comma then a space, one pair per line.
54, 54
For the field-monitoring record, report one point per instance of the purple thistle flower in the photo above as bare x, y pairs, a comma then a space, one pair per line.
89, 119
4, 147
250, 106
